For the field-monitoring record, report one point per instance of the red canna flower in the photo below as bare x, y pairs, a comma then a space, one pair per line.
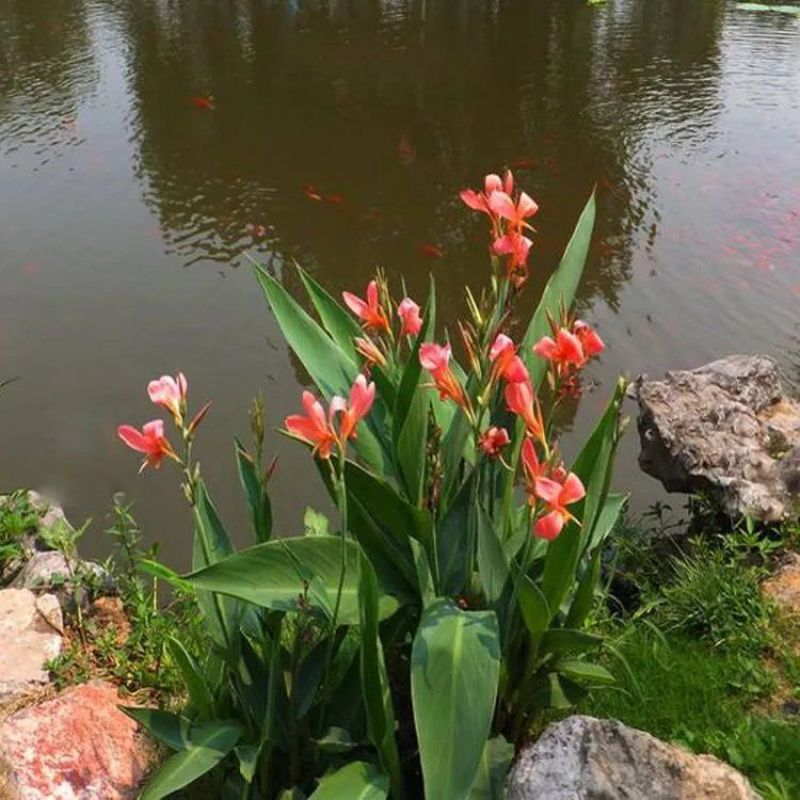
516, 247
507, 364
557, 496
435, 358
369, 311
534, 469
408, 311
493, 441
591, 343
521, 401
150, 441
169, 393
501, 204
315, 427
371, 352
479, 201
563, 351
362, 396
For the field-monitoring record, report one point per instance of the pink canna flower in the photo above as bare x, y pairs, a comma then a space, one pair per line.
169, 393
315, 427
479, 201
493, 441
563, 351
370, 351
522, 401
362, 396
501, 204
373, 317
150, 441
591, 344
557, 496
435, 358
516, 247
534, 469
507, 364
408, 311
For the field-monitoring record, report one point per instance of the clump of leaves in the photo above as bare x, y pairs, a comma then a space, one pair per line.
18, 517
134, 653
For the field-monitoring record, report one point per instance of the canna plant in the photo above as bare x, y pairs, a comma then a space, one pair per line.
407, 653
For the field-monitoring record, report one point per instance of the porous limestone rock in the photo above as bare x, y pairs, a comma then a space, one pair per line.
30, 637
583, 758
77, 746
727, 430
783, 586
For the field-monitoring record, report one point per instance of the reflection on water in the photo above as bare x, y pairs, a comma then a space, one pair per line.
138, 139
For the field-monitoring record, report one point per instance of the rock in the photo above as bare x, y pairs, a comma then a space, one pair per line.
784, 585
77, 746
52, 514
584, 757
49, 570
29, 641
50, 609
110, 611
726, 430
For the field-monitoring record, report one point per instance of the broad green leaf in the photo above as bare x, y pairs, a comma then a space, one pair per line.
427, 588
273, 575
411, 447
554, 691
340, 325
492, 563
594, 674
455, 666
606, 520
584, 597
533, 606
210, 743
356, 781
247, 756
211, 544
257, 499
593, 466
568, 640
164, 726
329, 368
307, 678
491, 775
452, 542
375, 681
162, 571
196, 687
336, 740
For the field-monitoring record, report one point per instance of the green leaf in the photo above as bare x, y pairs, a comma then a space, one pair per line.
247, 756
411, 447
307, 679
210, 743
163, 572
777, 9
554, 691
356, 781
533, 606
584, 597
339, 324
272, 575
491, 776
196, 687
329, 368
455, 666
164, 726
316, 523
427, 589
257, 498
594, 674
606, 520
569, 640
452, 541
375, 681
336, 740
594, 467
492, 563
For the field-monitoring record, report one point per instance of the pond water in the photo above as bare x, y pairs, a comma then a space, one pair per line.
146, 147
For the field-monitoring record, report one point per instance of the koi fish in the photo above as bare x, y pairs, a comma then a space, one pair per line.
406, 151
311, 192
431, 250
334, 199
203, 102
258, 230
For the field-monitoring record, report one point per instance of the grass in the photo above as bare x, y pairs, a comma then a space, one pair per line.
703, 658
17, 518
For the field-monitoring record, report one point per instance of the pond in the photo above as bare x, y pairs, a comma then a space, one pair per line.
146, 148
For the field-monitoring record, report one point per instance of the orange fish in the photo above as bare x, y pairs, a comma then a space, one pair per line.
258, 230
311, 192
334, 199
524, 163
204, 102
431, 250
406, 151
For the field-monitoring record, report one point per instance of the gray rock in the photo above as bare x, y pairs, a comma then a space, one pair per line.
583, 758
29, 641
725, 430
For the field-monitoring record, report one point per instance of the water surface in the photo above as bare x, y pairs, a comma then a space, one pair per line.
128, 205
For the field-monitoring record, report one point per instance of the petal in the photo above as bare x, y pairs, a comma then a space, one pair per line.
502, 205
530, 460
355, 304
548, 490
362, 396
492, 183
526, 206
500, 345
183, 385
516, 371
508, 182
314, 410
154, 429
569, 347
372, 295
572, 490
474, 200
433, 356
133, 438
301, 426
545, 347
549, 526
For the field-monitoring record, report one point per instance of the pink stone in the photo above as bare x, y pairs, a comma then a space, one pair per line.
78, 746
